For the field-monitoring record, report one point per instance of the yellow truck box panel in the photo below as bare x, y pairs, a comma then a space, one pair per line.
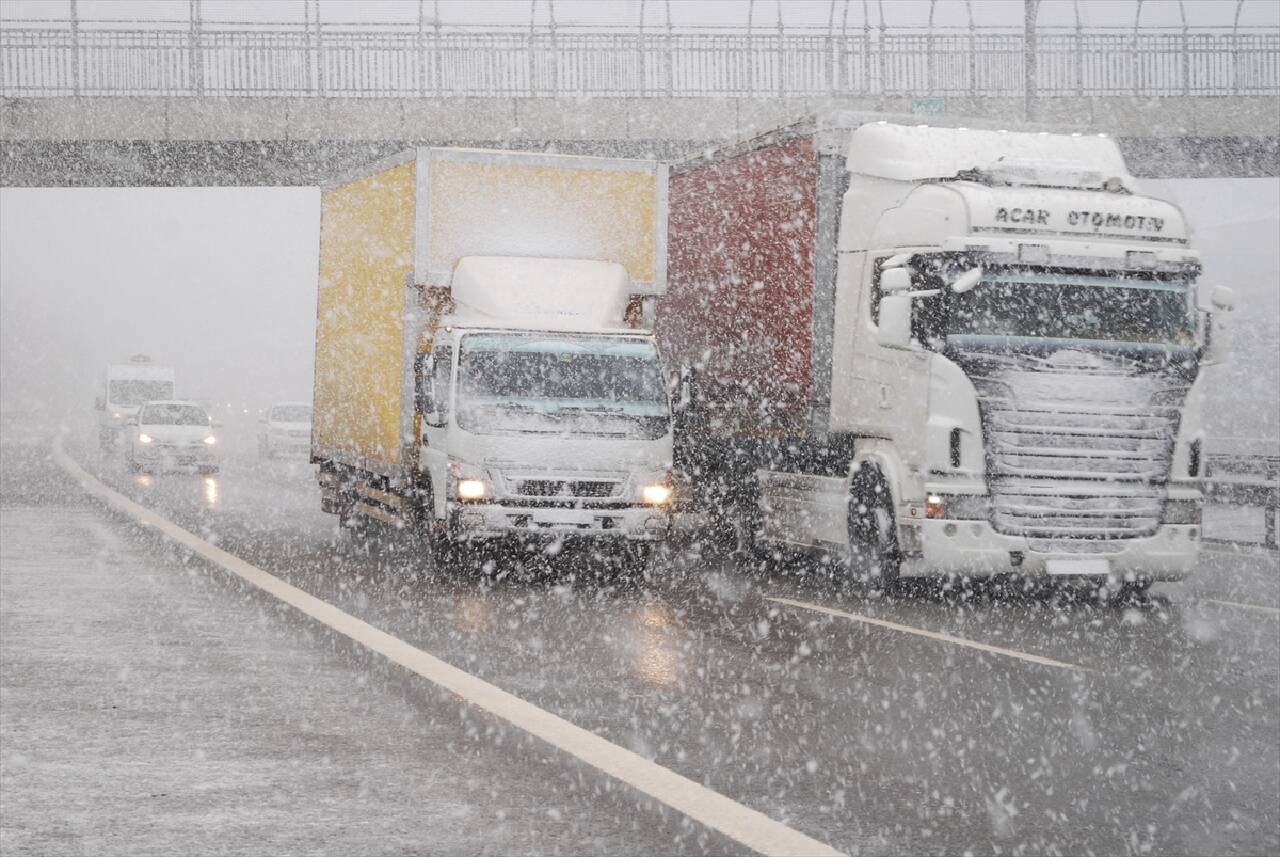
366, 254
503, 204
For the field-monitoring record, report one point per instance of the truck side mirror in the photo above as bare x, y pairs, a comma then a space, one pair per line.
684, 389
1222, 298
424, 390
894, 280
895, 321
99, 404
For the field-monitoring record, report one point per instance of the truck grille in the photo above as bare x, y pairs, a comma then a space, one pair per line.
567, 488
1079, 445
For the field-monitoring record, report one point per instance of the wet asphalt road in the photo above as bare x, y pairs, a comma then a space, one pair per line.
1158, 730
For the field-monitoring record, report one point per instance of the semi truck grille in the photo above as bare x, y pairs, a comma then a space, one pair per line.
1077, 446
567, 488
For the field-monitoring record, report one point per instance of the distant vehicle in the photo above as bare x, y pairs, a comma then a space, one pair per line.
168, 434
127, 386
502, 390
286, 430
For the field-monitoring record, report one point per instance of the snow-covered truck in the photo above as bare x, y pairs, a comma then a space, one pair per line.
484, 368
126, 386
941, 351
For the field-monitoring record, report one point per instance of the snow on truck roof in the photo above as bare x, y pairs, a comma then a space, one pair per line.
917, 153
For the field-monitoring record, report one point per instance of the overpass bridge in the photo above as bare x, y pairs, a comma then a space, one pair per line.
193, 102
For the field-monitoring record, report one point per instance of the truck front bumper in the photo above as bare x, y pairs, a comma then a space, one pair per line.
975, 549
485, 521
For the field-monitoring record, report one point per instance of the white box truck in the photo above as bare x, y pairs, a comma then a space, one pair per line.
484, 367
125, 388
941, 351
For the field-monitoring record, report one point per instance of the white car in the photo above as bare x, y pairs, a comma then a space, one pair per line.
286, 430
172, 433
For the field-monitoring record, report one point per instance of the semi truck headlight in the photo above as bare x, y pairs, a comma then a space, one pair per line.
656, 495
469, 482
1182, 512
958, 507
144, 438
472, 489
211, 440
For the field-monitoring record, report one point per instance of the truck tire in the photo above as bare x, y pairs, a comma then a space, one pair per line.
873, 538
637, 561
437, 546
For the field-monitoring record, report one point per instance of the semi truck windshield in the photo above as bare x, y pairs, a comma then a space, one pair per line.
557, 383
1066, 306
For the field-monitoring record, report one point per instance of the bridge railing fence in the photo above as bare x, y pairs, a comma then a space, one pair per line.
390, 61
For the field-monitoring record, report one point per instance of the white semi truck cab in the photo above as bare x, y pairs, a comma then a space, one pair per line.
1027, 359
125, 388
998, 351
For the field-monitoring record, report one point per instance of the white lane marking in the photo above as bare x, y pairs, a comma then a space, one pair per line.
744, 825
932, 635
1242, 605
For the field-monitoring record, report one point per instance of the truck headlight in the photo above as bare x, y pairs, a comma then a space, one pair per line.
211, 440
472, 489
656, 495
1181, 512
958, 507
469, 482
144, 438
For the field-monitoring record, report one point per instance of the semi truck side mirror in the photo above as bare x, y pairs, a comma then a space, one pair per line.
894, 280
1222, 298
99, 404
895, 321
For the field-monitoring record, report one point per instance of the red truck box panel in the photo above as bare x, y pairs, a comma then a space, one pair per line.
739, 305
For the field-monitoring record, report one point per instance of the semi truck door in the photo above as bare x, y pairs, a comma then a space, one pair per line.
895, 385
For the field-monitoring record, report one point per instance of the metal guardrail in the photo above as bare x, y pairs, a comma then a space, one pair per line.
405, 61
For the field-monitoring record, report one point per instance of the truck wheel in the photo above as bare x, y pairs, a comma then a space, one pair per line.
438, 548
637, 562
873, 539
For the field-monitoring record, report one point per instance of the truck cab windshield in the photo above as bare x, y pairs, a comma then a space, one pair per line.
1027, 306
550, 383
133, 391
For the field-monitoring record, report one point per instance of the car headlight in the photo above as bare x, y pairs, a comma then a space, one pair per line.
1181, 512
657, 494
958, 507
143, 437
211, 440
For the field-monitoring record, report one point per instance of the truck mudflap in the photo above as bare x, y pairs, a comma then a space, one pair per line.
976, 549
484, 521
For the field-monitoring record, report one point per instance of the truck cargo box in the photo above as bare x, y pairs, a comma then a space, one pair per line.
752, 280
403, 224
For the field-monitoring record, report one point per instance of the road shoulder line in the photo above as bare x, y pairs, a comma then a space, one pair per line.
1275, 611
744, 825
932, 635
